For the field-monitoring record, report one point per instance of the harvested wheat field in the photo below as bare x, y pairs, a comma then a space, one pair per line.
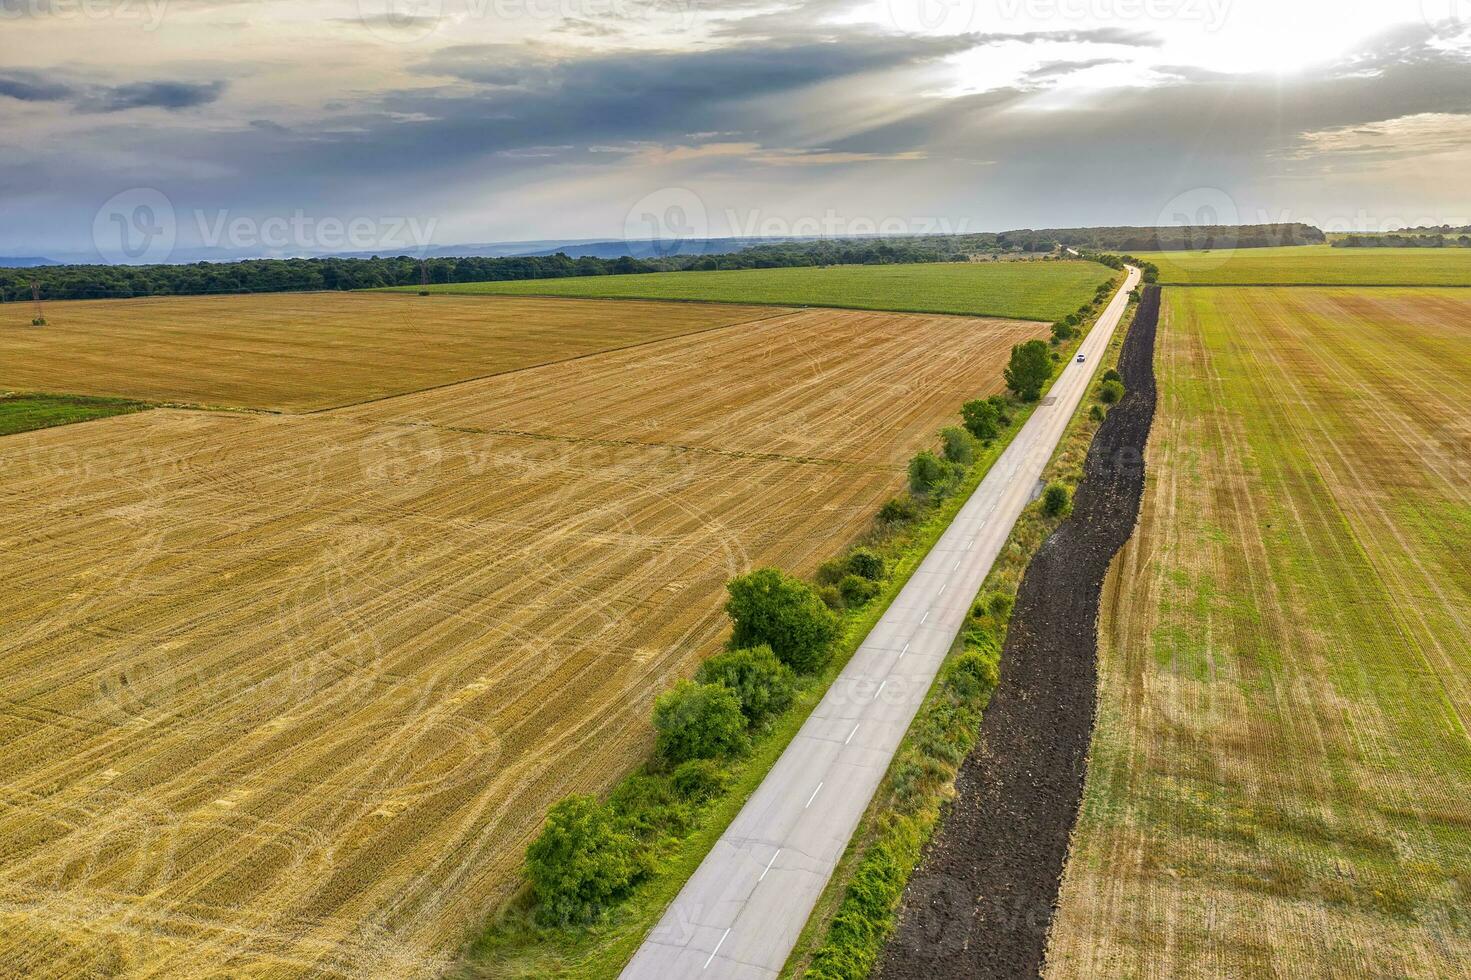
301, 351
288, 694
1280, 772
855, 386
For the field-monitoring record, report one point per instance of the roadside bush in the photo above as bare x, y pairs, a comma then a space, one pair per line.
762, 682
959, 445
857, 590
698, 721
982, 420
1003, 409
974, 673
698, 779
925, 470
1096, 413
1110, 392
649, 807
897, 510
1029, 369
866, 562
581, 862
1056, 500
999, 604
1113, 375
1061, 331
784, 613
831, 572
831, 597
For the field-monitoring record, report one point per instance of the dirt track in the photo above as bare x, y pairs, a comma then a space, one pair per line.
983, 898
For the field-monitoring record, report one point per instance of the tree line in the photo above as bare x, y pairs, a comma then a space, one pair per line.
1402, 241
296, 275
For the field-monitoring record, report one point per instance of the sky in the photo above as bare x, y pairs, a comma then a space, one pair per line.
147, 130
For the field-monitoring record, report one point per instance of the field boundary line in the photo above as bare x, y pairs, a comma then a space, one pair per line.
728, 302
779, 312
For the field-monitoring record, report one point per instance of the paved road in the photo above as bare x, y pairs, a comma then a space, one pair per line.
739, 915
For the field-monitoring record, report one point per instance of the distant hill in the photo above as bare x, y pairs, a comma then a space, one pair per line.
1174, 238
25, 262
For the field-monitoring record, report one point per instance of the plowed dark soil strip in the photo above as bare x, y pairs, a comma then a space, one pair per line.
983, 898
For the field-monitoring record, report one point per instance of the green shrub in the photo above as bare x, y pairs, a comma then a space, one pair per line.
831, 597
926, 471
959, 445
1110, 392
1029, 369
999, 604
649, 807
974, 673
762, 682
1096, 413
1056, 500
698, 779
1062, 331
831, 572
982, 419
857, 590
1003, 409
897, 510
580, 863
784, 613
866, 562
1113, 375
698, 721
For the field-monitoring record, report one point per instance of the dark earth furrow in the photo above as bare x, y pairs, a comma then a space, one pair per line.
983, 898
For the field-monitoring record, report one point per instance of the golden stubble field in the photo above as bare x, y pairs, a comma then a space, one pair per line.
288, 695
1280, 773
296, 352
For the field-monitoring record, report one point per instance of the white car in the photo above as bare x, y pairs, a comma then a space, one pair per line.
1080, 358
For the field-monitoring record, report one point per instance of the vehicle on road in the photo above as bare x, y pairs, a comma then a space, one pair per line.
1081, 358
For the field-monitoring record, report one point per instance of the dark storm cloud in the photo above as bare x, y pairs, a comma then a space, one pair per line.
157, 95
489, 118
27, 87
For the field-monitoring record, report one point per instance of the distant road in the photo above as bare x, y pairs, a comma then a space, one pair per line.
739, 915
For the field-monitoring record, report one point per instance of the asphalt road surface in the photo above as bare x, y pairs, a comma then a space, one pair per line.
739, 915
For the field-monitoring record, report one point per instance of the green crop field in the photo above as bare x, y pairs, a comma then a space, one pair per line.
22, 413
1280, 771
1316, 265
1015, 290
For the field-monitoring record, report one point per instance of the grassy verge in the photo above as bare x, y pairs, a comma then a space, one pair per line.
22, 413
515, 944
856, 913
